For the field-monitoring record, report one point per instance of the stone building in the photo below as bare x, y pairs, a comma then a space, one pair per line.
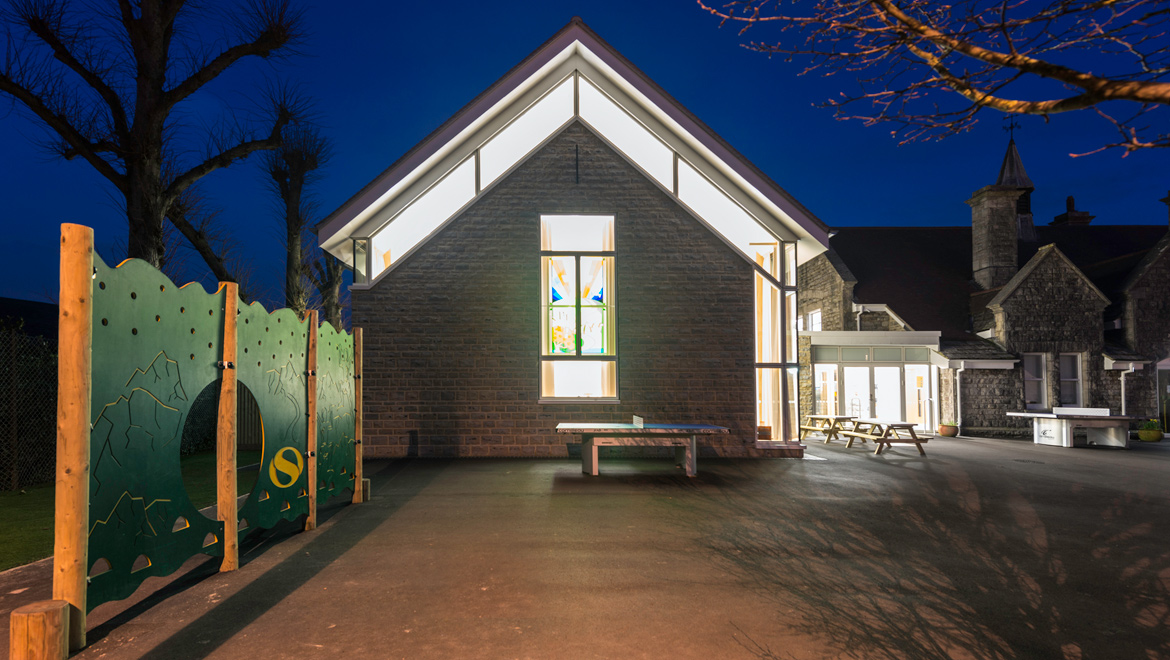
573, 245
964, 324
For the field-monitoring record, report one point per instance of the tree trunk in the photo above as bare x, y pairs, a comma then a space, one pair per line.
296, 293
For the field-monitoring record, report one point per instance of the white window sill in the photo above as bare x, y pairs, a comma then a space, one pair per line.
575, 400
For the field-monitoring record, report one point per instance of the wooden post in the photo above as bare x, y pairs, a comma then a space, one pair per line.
311, 443
358, 491
225, 433
39, 631
74, 362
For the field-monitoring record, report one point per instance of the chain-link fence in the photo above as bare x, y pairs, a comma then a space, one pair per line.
28, 409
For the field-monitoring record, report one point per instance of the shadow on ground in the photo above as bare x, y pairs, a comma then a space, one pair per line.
203, 635
940, 563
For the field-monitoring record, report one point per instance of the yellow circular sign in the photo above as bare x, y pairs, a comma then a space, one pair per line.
283, 466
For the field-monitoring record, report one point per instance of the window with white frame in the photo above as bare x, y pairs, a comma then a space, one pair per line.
1034, 381
1070, 379
578, 356
814, 320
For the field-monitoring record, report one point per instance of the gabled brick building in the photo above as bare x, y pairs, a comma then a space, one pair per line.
573, 245
965, 324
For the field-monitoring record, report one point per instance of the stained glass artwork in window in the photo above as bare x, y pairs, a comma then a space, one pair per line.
562, 305
594, 306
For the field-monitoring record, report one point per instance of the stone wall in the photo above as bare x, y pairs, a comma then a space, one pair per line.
452, 333
821, 287
879, 321
1147, 308
993, 235
1053, 310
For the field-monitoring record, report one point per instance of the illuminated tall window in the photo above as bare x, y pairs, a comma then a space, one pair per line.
578, 354
777, 391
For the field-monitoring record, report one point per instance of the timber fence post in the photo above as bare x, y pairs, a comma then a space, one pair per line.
358, 483
74, 381
225, 435
311, 442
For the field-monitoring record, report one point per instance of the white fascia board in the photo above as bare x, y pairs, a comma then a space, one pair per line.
397, 188
775, 212
982, 364
1124, 365
927, 338
407, 181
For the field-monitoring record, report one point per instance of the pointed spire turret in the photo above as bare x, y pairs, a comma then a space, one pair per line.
1012, 172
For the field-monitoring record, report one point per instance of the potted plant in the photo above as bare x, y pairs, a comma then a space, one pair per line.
1150, 431
948, 429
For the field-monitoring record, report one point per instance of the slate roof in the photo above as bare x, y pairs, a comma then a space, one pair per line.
924, 273
973, 349
1011, 172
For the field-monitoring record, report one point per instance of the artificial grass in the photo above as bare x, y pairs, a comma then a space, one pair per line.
27, 532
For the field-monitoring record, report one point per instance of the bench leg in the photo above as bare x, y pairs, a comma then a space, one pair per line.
690, 452
921, 451
589, 457
879, 447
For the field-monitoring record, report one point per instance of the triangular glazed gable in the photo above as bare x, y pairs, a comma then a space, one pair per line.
575, 76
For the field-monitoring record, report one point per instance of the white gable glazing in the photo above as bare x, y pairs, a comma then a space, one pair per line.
389, 221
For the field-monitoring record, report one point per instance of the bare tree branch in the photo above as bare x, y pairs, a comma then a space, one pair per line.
1013, 56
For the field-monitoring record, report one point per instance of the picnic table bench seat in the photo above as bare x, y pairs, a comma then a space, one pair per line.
884, 434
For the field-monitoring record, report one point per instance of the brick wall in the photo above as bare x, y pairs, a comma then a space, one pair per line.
452, 334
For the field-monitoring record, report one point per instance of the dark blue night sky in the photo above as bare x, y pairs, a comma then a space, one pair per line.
385, 74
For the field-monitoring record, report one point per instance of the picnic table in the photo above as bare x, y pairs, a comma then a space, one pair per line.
884, 434
1056, 428
683, 437
830, 425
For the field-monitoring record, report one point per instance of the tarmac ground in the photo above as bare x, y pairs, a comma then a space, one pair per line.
982, 549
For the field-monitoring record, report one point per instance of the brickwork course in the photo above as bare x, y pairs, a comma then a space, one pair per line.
452, 334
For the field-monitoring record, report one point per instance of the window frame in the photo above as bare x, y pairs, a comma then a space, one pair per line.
1079, 380
783, 279
814, 315
1043, 380
611, 313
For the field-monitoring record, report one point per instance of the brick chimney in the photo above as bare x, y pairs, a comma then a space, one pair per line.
1071, 215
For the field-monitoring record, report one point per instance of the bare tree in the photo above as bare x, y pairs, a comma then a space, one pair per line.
1034, 57
326, 274
291, 169
108, 81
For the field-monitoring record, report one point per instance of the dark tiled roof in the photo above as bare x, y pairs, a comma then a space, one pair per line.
1123, 354
973, 349
1012, 173
924, 273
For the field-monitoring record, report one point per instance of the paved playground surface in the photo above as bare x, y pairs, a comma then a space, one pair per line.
982, 549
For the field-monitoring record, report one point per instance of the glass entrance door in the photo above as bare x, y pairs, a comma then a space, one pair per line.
887, 392
918, 400
856, 392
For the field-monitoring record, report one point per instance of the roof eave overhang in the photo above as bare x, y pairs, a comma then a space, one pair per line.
781, 214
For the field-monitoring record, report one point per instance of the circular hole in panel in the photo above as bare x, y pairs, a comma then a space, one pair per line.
105, 321
257, 363
133, 331
211, 312
182, 310
162, 287
192, 356
245, 321
133, 296
249, 440
274, 356
192, 330
209, 344
102, 286
245, 349
157, 318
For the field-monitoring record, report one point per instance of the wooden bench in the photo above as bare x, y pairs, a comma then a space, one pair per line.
683, 437
884, 434
830, 425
